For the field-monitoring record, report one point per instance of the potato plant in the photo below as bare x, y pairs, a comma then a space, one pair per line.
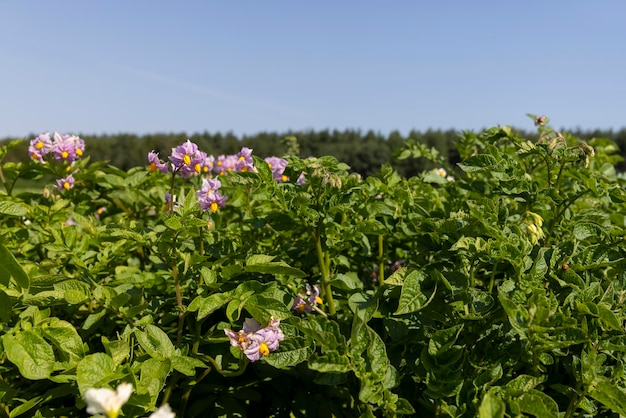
237, 286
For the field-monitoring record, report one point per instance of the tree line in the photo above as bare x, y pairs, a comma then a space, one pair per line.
364, 152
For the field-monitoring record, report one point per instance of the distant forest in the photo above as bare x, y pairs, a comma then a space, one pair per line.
364, 152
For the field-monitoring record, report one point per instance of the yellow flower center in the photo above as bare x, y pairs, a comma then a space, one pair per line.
65, 154
264, 349
152, 167
319, 300
66, 185
197, 168
244, 169
242, 158
79, 152
186, 159
284, 178
39, 145
214, 207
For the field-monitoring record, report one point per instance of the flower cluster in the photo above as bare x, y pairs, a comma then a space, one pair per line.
62, 148
307, 300
256, 342
187, 160
109, 402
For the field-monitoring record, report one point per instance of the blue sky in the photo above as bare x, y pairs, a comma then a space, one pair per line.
146, 66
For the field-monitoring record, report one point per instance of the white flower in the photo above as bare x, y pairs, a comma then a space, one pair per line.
106, 401
441, 172
163, 412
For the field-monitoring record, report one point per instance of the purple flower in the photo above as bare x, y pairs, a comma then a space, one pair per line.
40, 146
66, 183
301, 181
245, 162
79, 145
64, 147
156, 163
261, 343
251, 325
541, 120
100, 211
307, 299
225, 163
183, 158
198, 163
239, 339
254, 341
208, 164
209, 197
277, 165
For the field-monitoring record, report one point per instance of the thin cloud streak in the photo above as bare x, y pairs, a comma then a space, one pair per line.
257, 104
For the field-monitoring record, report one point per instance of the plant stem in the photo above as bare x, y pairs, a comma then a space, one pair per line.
179, 297
322, 260
179, 304
381, 261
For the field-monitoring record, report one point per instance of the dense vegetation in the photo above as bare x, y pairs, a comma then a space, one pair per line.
299, 288
364, 152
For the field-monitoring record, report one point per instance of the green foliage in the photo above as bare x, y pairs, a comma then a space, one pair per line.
490, 289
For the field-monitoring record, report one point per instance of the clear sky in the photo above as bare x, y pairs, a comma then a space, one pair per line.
144, 66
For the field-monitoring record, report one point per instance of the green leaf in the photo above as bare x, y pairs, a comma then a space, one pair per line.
584, 230
155, 342
538, 404
291, 351
363, 305
186, 365
65, 338
15, 270
609, 318
522, 383
152, 378
482, 162
349, 282
118, 350
74, 291
93, 371
113, 180
13, 208
491, 406
275, 268
332, 362
414, 295
46, 298
324, 332
207, 305
262, 308
32, 354
609, 395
